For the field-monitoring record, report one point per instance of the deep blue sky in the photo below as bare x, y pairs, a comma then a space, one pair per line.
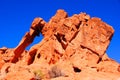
16, 17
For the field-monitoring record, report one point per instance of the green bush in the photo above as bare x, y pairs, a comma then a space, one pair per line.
38, 74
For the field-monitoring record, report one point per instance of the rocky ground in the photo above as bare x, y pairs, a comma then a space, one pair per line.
73, 48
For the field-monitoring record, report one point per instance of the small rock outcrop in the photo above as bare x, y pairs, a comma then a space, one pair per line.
73, 48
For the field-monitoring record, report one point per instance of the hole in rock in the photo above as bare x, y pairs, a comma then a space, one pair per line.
63, 38
78, 26
38, 56
36, 40
76, 69
87, 25
100, 59
32, 57
58, 37
7, 69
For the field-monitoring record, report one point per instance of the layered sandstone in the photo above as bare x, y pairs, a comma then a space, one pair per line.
73, 48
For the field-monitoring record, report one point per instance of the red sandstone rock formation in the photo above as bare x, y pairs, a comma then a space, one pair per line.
73, 48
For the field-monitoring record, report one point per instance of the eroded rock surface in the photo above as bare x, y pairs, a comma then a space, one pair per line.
73, 48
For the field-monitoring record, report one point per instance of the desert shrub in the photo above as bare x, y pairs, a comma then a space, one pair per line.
55, 72
38, 75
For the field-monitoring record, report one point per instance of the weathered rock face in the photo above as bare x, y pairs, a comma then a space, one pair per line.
73, 48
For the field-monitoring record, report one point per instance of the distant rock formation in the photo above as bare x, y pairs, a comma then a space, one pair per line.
73, 48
